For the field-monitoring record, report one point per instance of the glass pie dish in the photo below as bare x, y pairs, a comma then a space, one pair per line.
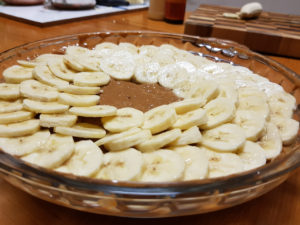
145, 199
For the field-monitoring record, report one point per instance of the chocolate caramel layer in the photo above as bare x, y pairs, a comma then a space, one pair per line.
139, 96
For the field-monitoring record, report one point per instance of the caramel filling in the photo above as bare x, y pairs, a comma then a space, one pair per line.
139, 96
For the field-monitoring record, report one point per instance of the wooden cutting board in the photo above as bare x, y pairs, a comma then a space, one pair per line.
271, 33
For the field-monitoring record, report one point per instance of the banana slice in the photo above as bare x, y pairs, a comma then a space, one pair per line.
83, 130
106, 45
44, 58
14, 117
113, 137
223, 164
255, 104
271, 141
76, 50
78, 100
54, 152
57, 120
128, 47
182, 89
206, 89
147, 72
10, 106
9, 91
162, 166
43, 74
73, 61
172, 74
280, 109
20, 146
94, 111
59, 69
91, 79
37, 91
148, 50
225, 138
227, 90
288, 129
187, 120
120, 65
78, 90
19, 129
158, 141
187, 137
252, 155
159, 119
124, 119
44, 107
187, 105
27, 63
284, 98
218, 111
85, 161
127, 141
252, 123
16, 74
124, 166
196, 162
244, 92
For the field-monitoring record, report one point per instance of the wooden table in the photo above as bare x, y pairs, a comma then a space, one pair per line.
278, 207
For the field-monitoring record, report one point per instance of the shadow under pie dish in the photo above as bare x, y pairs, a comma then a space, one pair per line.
164, 198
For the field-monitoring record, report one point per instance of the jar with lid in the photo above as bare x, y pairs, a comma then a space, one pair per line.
174, 11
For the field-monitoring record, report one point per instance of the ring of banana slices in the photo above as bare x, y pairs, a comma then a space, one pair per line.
229, 119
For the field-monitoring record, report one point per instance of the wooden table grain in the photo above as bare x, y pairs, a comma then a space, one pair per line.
281, 206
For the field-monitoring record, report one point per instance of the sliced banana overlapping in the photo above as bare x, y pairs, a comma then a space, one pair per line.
43, 74
54, 152
271, 141
16, 74
159, 119
91, 79
128, 140
14, 117
288, 128
59, 69
218, 111
10, 106
187, 137
223, 164
82, 130
9, 91
162, 166
44, 107
124, 119
35, 90
159, 140
86, 159
187, 105
78, 100
94, 111
120, 65
224, 138
196, 162
252, 155
57, 120
125, 165
24, 145
189, 119
23, 128
252, 123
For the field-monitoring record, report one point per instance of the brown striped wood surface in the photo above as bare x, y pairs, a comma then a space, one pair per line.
271, 33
